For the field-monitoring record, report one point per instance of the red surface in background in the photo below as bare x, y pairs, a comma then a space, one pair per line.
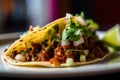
54, 9
106, 12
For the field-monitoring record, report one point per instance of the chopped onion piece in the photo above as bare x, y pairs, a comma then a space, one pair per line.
78, 42
82, 58
81, 21
19, 57
65, 42
68, 15
69, 61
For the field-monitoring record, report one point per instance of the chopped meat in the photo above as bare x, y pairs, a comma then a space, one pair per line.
57, 54
86, 41
43, 56
37, 47
55, 61
13, 54
58, 49
28, 57
69, 54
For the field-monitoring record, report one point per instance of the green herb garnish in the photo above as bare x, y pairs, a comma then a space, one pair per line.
82, 15
72, 32
74, 29
93, 24
45, 42
23, 52
89, 33
76, 50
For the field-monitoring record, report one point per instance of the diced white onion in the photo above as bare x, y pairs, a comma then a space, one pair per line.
81, 21
68, 15
19, 57
69, 61
22, 35
78, 42
82, 58
58, 35
65, 42
36, 28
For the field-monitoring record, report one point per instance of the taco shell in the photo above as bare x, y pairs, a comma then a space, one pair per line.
45, 33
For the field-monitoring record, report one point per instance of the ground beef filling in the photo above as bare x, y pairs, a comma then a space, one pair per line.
58, 54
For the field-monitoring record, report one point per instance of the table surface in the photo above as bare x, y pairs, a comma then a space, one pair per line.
109, 76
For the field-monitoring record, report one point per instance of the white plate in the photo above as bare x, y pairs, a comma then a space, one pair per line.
111, 65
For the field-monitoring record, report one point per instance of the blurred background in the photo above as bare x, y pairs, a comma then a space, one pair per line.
18, 15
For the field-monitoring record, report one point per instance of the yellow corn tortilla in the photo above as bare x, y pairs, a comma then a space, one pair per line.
48, 64
37, 37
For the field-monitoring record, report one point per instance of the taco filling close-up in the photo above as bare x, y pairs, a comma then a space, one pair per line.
65, 42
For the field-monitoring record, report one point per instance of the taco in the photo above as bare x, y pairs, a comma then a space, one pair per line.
65, 42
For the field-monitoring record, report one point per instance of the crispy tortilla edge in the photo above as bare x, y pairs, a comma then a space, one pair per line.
48, 64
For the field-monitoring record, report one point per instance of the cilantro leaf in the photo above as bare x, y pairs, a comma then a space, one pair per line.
74, 37
89, 33
93, 24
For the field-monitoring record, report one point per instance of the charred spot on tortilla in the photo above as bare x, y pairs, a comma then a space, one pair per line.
34, 32
5, 49
14, 48
56, 27
31, 35
21, 40
20, 44
49, 31
39, 30
44, 27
